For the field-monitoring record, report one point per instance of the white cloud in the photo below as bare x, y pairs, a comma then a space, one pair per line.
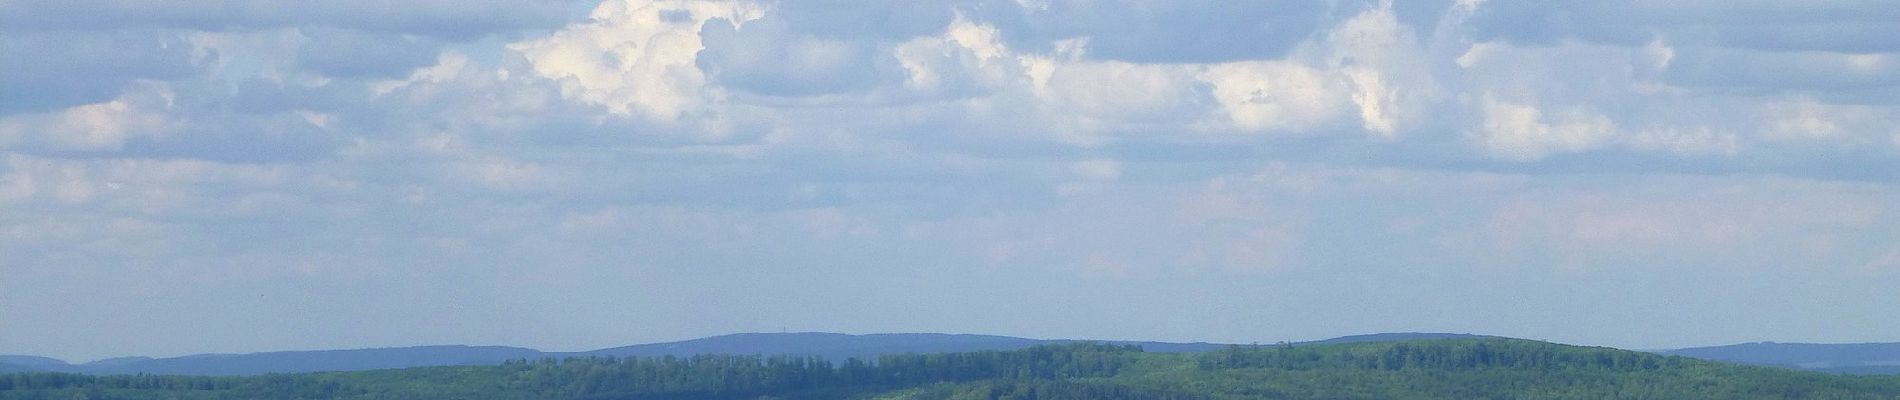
1659, 54
91, 127
1275, 96
512, 176
1388, 71
1109, 94
1837, 26
84, 198
239, 56
1521, 132
686, 148
1803, 119
57, 70
1475, 54
447, 67
1688, 142
770, 58
1719, 68
636, 56
968, 56
1683, 221
1097, 170
460, 19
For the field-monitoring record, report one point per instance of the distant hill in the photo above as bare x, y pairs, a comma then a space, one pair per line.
118, 361
1398, 337
30, 364
835, 346
279, 362
324, 360
838, 346
1419, 369
1861, 370
1876, 358
1858, 358
31, 361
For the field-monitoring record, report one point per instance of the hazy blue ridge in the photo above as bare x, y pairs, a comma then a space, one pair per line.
1861, 358
1397, 337
323, 360
835, 346
282, 361
32, 361
1876, 358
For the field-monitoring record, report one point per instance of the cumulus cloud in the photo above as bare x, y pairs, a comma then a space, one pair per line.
966, 56
1781, 25
1259, 152
1524, 133
1385, 65
346, 53
1802, 119
101, 126
1583, 228
1702, 141
1759, 70
58, 70
1197, 31
770, 57
636, 56
460, 19
1276, 96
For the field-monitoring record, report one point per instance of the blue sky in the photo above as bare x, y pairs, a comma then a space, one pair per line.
236, 176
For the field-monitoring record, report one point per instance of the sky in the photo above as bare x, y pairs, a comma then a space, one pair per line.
242, 176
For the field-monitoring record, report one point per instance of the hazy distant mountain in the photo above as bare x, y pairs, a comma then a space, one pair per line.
118, 361
838, 346
1862, 370
278, 362
1418, 369
325, 360
1398, 336
6, 368
28, 363
1862, 358
828, 345
1876, 358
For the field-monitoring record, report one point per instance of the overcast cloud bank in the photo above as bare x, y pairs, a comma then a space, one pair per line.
243, 176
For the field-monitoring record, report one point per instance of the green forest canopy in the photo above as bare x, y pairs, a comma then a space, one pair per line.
1432, 369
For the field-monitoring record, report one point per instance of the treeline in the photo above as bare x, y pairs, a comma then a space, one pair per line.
1043, 389
1443, 355
1433, 369
45, 385
727, 376
698, 377
1505, 369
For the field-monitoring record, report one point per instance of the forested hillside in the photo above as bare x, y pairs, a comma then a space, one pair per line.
1432, 369
834, 346
1855, 358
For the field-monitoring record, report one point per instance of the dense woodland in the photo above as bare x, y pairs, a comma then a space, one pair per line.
1435, 369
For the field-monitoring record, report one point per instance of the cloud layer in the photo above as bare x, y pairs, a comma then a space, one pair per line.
567, 175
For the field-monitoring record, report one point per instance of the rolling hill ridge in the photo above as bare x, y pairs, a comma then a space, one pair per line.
1450, 368
1868, 358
